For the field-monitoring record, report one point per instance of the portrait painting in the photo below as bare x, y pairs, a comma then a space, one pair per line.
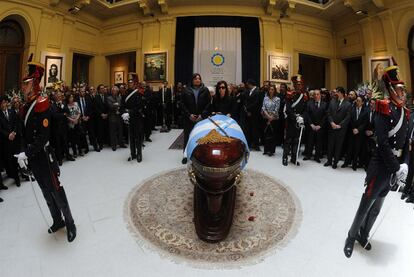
119, 77
377, 66
279, 69
155, 67
54, 68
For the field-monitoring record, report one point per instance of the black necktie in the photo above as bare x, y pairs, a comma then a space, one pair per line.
6, 114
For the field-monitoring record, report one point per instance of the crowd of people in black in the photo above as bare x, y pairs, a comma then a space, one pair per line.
332, 123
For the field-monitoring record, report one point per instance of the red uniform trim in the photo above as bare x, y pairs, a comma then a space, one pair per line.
371, 187
407, 113
383, 107
42, 104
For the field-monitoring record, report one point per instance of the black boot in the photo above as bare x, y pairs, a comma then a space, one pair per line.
57, 224
360, 216
285, 161
349, 247
71, 232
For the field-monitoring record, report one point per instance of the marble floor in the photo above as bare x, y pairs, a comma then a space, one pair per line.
98, 185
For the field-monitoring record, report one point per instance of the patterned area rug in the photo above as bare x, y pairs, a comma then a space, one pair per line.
160, 214
178, 142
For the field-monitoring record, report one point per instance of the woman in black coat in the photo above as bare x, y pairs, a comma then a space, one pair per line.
222, 102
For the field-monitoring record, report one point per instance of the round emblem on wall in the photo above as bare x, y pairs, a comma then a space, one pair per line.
217, 59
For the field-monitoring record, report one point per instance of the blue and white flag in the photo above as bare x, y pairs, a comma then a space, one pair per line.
202, 128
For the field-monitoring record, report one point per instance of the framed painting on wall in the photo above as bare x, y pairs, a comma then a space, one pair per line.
377, 66
279, 68
119, 77
155, 67
54, 68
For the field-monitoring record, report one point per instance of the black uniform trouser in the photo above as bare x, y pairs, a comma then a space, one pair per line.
315, 140
335, 143
135, 137
291, 143
53, 192
377, 187
409, 181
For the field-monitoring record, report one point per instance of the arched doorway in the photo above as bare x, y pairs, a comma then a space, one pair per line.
11, 55
411, 53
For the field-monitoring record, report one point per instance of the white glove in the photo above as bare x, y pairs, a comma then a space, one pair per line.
401, 175
125, 117
22, 160
299, 120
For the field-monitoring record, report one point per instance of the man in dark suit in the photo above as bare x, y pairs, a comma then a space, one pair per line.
252, 106
357, 124
369, 139
165, 109
195, 101
102, 115
59, 128
315, 117
11, 132
88, 115
338, 118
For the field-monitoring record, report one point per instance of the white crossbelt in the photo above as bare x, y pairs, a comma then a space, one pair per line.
398, 126
297, 100
28, 112
129, 95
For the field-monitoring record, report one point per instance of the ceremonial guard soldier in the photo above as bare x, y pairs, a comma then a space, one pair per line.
38, 155
388, 165
295, 106
132, 106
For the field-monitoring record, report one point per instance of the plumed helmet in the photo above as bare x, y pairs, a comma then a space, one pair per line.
34, 72
132, 77
391, 76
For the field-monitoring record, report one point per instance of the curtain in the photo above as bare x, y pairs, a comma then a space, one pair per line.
184, 44
222, 39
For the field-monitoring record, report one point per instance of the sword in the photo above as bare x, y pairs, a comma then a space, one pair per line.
300, 138
393, 180
218, 126
38, 203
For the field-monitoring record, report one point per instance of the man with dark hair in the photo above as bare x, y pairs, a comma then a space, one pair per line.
11, 132
338, 118
195, 101
53, 73
38, 156
389, 164
252, 106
